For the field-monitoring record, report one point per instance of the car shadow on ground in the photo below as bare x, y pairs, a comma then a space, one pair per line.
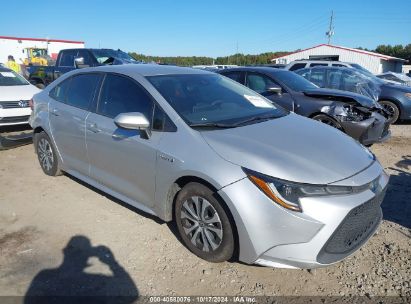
72, 283
397, 203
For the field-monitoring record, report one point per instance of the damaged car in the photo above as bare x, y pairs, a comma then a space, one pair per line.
356, 115
395, 98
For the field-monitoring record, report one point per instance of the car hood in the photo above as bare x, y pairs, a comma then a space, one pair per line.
19, 92
343, 96
397, 87
292, 148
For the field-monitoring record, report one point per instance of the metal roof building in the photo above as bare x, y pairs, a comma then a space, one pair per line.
15, 45
374, 62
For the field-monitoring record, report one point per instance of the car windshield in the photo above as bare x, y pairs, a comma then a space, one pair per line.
10, 78
294, 82
103, 55
213, 100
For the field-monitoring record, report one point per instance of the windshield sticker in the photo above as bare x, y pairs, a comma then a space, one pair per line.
258, 101
8, 74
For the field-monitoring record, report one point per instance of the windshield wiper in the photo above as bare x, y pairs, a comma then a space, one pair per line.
255, 119
211, 125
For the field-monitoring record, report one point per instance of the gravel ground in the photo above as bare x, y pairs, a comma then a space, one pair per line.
44, 221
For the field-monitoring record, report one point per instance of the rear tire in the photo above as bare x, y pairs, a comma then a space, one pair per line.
203, 223
46, 154
392, 109
328, 121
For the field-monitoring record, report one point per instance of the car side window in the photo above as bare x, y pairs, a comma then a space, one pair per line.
317, 77
259, 83
161, 122
67, 58
318, 64
59, 91
81, 90
120, 94
338, 65
236, 76
305, 73
297, 66
334, 79
84, 54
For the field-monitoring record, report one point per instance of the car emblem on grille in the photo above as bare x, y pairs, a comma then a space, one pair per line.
23, 104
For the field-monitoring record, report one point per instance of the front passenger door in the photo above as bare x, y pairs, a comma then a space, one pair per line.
121, 159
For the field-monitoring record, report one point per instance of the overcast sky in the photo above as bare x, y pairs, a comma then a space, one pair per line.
210, 28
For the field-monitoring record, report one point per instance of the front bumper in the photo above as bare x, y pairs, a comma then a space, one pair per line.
369, 131
270, 235
14, 116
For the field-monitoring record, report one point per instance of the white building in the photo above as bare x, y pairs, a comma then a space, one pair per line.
14, 46
374, 62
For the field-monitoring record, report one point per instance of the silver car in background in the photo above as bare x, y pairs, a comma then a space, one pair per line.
241, 177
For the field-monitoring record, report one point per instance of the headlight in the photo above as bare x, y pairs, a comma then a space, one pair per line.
408, 95
349, 113
288, 194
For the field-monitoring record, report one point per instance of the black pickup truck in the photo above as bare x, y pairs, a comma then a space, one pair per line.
72, 59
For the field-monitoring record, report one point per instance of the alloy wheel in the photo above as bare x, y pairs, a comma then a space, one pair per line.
45, 153
201, 223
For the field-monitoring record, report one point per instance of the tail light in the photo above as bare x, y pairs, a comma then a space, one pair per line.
31, 104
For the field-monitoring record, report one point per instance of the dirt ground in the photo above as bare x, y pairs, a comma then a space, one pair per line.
89, 242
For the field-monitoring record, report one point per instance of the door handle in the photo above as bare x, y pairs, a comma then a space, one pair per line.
93, 128
55, 112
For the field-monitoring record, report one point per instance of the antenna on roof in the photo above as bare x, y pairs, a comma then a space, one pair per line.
330, 31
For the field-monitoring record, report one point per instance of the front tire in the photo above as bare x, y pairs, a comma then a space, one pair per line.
328, 121
46, 154
203, 223
392, 109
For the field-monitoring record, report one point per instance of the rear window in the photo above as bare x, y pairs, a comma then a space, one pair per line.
59, 91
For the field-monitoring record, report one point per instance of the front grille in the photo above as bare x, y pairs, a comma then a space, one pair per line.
13, 119
354, 230
14, 104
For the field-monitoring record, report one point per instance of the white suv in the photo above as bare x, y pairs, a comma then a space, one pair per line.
15, 94
301, 64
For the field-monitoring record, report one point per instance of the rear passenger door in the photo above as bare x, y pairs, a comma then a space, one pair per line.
68, 108
123, 160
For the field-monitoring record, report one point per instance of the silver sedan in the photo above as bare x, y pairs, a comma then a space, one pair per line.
241, 177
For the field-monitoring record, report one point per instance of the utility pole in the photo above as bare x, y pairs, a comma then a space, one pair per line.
236, 54
330, 32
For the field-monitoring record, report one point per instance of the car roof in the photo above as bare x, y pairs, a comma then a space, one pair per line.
329, 68
146, 69
262, 69
319, 61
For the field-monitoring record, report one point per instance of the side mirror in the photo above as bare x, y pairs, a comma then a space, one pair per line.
79, 63
133, 121
274, 89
